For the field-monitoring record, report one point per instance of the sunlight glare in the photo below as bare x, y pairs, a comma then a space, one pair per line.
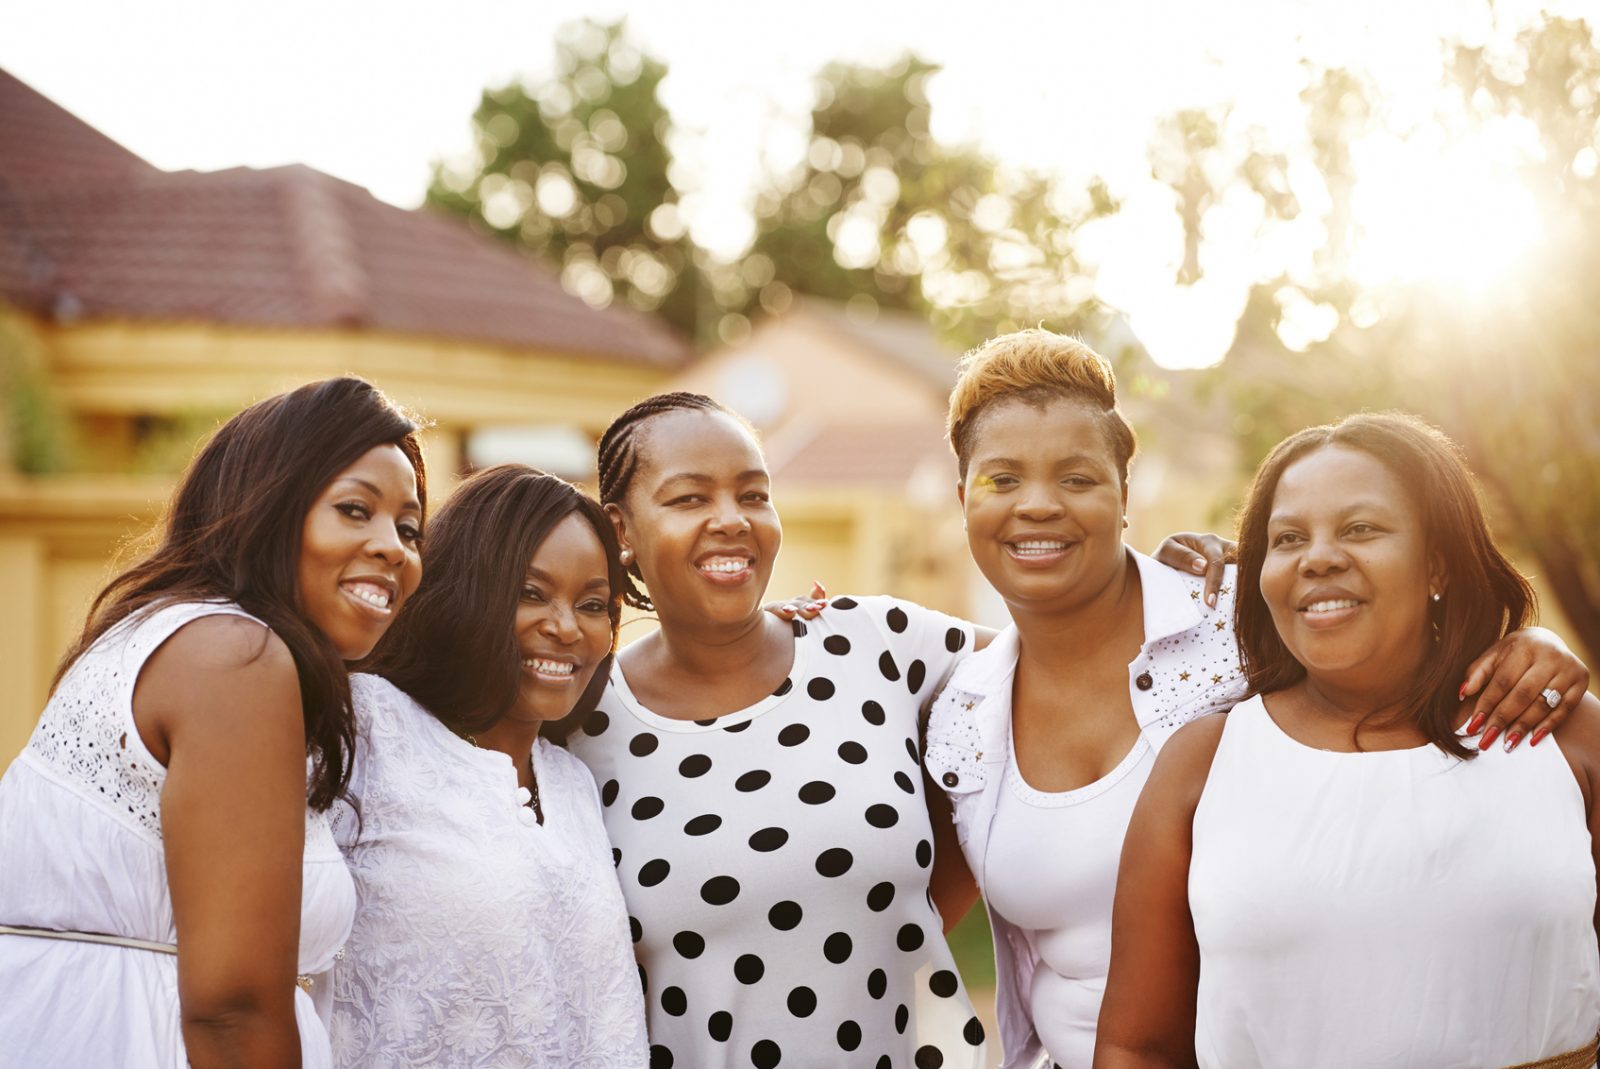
1453, 217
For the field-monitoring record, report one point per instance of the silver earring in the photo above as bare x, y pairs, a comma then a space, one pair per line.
626, 556
1436, 597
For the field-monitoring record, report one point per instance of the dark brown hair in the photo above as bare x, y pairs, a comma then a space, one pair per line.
618, 460
454, 648
1486, 596
233, 532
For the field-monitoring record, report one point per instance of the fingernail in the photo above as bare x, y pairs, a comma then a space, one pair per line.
1475, 725
1211, 600
815, 605
1512, 740
1461, 695
1199, 564
1539, 733
1489, 736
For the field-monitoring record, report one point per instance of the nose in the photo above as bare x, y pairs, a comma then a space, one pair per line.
386, 544
729, 519
560, 623
1321, 556
1036, 503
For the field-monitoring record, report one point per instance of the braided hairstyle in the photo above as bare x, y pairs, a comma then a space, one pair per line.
619, 459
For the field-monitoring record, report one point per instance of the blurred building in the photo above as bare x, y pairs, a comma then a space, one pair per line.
138, 307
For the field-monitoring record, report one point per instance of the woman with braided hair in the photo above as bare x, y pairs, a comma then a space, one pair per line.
760, 779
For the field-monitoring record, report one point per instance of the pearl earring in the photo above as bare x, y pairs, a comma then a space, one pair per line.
626, 556
1436, 597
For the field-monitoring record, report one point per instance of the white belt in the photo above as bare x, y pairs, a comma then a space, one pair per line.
305, 983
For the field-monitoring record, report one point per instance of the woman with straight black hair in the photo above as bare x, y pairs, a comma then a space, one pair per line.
490, 929
169, 882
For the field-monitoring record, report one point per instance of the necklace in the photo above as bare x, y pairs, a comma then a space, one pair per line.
533, 778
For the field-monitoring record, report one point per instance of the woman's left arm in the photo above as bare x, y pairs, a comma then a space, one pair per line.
1515, 680
951, 884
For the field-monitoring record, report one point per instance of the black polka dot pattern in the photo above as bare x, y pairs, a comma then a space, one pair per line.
777, 857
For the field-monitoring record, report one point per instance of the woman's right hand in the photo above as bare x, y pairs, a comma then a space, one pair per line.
804, 608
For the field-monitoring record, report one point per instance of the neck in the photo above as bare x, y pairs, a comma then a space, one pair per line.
1357, 702
715, 650
1052, 637
515, 739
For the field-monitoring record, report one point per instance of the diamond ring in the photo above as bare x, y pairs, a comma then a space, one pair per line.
1551, 696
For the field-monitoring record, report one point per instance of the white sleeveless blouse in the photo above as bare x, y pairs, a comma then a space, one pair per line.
1390, 909
81, 850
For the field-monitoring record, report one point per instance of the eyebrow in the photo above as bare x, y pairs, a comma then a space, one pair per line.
372, 488
1356, 506
697, 477
596, 583
1064, 462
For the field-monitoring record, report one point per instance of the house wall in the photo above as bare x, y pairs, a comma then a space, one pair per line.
60, 535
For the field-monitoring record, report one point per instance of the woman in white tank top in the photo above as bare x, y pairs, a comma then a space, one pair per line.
1327, 876
170, 890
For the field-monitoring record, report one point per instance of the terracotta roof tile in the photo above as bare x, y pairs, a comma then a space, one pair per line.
285, 247
885, 455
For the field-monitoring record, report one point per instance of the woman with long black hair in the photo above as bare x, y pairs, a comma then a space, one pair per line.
169, 883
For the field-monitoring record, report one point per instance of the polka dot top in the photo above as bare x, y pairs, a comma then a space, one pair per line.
775, 860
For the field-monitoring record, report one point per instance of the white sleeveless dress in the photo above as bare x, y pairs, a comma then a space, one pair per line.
81, 850
1390, 910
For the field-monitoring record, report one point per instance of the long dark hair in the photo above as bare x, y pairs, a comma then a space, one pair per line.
454, 648
1486, 595
233, 530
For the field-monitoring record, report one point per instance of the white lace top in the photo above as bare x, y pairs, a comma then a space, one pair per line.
81, 850
483, 938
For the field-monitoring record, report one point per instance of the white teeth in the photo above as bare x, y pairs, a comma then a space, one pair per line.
370, 595
548, 667
1331, 605
1037, 547
725, 565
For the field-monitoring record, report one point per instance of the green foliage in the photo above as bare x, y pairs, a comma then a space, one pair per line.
575, 169
879, 209
1515, 381
36, 441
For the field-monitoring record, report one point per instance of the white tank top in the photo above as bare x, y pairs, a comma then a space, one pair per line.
1391, 909
1051, 870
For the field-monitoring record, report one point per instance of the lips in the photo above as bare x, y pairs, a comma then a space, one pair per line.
727, 568
1037, 548
551, 669
376, 593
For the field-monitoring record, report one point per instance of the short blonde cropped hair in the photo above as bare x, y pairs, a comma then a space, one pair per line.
1035, 366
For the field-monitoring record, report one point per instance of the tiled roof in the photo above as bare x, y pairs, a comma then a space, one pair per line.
874, 454
87, 235
903, 338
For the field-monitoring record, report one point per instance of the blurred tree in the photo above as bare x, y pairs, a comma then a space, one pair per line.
575, 168
1512, 375
880, 210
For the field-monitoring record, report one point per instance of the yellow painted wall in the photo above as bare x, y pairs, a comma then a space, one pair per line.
59, 535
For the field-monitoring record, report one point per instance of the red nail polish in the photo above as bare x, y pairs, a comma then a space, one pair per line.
1475, 725
1489, 737
1461, 695
1537, 735
1512, 740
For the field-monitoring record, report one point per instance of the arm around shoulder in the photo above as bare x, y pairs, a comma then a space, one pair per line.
223, 695
1147, 1019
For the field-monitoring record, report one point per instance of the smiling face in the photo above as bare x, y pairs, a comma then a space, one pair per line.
563, 621
359, 551
1044, 503
1347, 576
699, 520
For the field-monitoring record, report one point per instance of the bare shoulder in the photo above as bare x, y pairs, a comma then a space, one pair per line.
215, 666
1579, 737
1184, 764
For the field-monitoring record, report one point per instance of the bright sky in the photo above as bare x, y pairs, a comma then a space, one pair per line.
373, 92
